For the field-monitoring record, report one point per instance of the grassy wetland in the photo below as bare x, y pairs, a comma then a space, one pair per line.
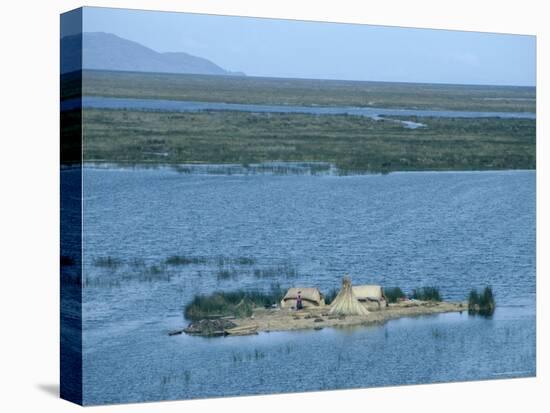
261, 90
352, 143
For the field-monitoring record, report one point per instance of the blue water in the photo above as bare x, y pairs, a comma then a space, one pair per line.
189, 106
453, 230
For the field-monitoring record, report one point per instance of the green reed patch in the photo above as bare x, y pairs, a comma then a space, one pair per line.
182, 260
255, 355
150, 273
135, 271
482, 303
227, 141
394, 294
308, 92
226, 273
426, 294
185, 260
223, 260
286, 270
245, 261
238, 303
176, 378
107, 262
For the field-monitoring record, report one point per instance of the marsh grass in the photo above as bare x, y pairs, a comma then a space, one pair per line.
236, 89
137, 263
394, 294
254, 355
426, 294
176, 378
135, 271
245, 261
481, 303
107, 262
185, 260
221, 260
286, 270
148, 273
238, 303
101, 282
223, 142
113, 271
226, 272
473, 299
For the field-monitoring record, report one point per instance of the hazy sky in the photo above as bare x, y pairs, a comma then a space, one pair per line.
284, 48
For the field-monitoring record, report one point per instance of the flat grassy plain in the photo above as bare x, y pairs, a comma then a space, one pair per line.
354, 144
279, 91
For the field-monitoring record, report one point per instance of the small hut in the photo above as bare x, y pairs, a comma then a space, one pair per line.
346, 303
311, 297
370, 295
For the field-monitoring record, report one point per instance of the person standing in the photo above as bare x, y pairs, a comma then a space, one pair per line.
299, 304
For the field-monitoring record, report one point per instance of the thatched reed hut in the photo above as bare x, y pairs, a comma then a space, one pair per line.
311, 297
346, 303
371, 296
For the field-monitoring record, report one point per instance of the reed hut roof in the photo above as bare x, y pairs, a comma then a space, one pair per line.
309, 294
346, 303
368, 292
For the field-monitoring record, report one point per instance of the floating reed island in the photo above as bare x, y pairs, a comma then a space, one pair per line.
250, 312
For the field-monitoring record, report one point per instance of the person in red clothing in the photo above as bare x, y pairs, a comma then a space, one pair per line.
299, 304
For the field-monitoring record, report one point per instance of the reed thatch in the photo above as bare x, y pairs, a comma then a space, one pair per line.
368, 292
371, 296
311, 297
346, 303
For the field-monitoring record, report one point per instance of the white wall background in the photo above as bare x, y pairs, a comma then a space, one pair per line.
29, 222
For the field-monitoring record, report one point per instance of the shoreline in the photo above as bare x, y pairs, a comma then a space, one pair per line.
194, 106
131, 165
313, 318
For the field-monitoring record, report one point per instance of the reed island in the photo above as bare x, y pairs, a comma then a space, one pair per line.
245, 313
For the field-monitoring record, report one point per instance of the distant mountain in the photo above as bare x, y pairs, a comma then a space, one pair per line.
105, 51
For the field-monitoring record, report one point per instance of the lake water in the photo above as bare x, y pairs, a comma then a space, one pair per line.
453, 230
189, 106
